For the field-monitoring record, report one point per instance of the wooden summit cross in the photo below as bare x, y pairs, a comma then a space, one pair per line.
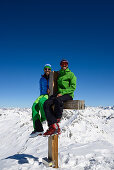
52, 159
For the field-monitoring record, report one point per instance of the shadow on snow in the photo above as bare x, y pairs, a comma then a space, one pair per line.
22, 158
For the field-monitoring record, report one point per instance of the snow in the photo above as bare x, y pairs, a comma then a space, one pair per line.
86, 142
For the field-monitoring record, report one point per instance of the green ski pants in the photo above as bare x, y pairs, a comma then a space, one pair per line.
38, 110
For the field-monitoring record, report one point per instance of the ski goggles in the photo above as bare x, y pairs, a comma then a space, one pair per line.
64, 64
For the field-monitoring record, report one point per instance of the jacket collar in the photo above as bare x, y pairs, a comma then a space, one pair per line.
64, 71
45, 76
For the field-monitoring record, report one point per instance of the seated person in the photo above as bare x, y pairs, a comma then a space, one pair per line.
66, 86
38, 104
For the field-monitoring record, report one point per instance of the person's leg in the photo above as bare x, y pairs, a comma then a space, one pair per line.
36, 116
57, 114
51, 119
41, 106
59, 101
38, 126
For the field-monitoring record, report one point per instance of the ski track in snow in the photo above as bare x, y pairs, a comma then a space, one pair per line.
86, 141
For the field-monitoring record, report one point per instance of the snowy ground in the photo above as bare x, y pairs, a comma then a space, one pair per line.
86, 143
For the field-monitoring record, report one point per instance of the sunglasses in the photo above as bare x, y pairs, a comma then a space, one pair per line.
64, 64
46, 69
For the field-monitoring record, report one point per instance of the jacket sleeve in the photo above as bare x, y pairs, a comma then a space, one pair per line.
72, 86
43, 86
40, 86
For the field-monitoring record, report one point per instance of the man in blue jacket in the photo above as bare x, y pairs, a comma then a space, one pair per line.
37, 117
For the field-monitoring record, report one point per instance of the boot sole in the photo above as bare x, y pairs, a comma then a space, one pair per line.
56, 133
36, 134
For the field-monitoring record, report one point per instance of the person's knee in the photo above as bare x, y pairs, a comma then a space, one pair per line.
57, 100
40, 102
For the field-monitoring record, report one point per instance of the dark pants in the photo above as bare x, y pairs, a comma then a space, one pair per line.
53, 114
38, 125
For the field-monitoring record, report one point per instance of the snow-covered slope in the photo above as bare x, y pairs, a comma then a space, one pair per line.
86, 142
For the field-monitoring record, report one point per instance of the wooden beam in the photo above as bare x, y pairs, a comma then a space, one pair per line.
74, 104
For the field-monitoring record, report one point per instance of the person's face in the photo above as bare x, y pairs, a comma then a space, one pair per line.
47, 71
64, 65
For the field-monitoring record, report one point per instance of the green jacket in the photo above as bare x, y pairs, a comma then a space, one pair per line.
66, 82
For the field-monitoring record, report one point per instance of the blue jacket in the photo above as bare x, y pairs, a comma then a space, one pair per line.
44, 85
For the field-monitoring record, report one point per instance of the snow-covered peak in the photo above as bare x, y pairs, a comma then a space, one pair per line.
86, 141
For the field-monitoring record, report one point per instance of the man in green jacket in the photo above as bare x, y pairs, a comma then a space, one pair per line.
66, 86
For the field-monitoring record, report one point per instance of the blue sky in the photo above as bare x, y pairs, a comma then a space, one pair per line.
33, 33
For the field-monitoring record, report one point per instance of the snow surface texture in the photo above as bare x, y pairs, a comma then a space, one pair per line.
86, 142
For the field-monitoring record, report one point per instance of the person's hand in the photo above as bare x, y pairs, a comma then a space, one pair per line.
59, 95
48, 91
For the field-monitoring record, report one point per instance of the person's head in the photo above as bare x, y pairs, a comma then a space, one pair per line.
47, 69
64, 64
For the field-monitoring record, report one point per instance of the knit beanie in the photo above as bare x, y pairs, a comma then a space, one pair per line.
47, 66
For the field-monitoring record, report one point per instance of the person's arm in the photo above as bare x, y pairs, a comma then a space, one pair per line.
40, 86
43, 86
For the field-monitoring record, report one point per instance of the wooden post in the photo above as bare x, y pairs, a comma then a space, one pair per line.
53, 140
53, 150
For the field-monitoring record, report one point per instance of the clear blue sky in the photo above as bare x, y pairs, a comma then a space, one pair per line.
36, 32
